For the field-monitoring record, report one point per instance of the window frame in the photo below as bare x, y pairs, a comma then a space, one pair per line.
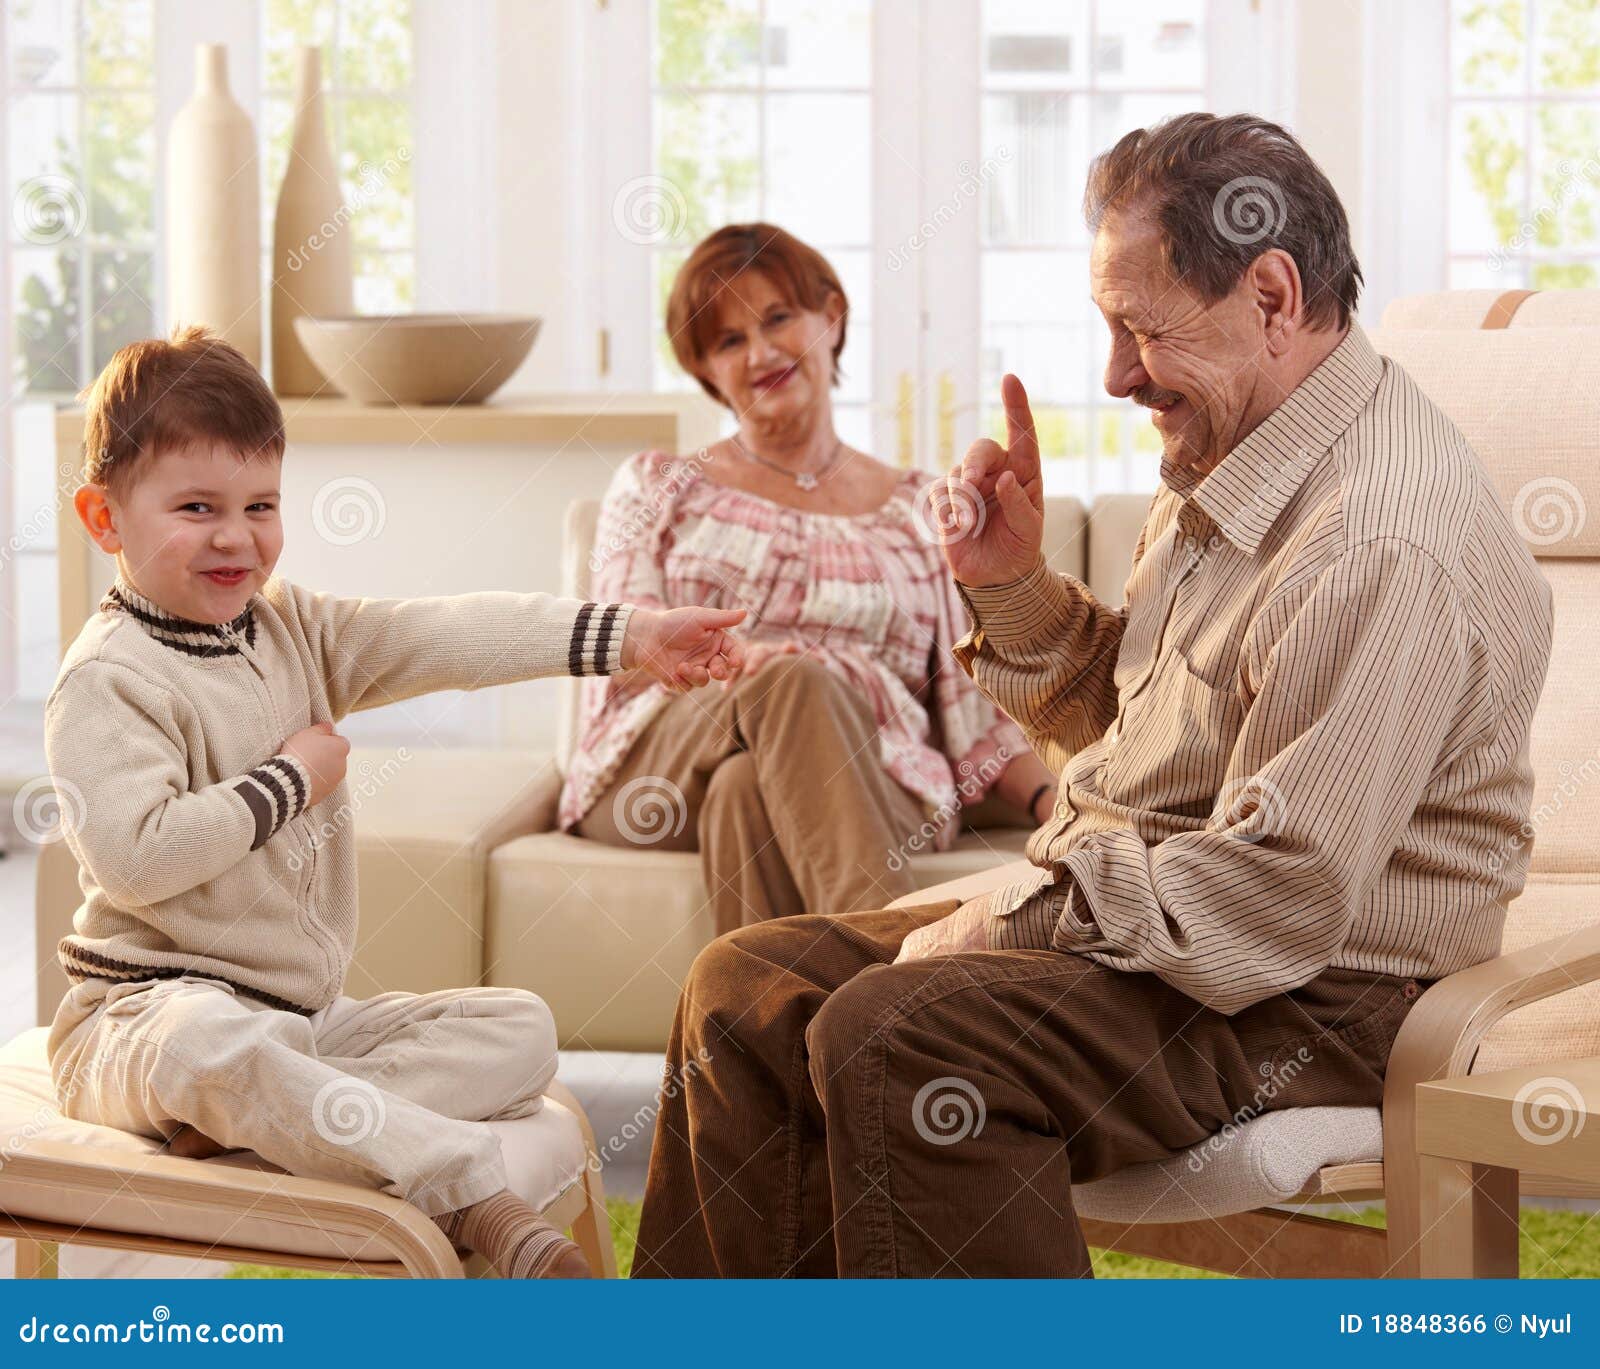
451, 164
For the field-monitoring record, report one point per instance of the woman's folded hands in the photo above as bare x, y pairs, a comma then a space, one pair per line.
684, 648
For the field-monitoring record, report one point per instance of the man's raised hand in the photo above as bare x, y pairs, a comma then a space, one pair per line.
990, 512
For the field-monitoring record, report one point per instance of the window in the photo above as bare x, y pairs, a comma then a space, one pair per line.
81, 167
756, 107
81, 107
1524, 144
367, 72
936, 154
84, 272
1060, 84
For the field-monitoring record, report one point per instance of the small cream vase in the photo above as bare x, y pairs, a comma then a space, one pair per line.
213, 211
310, 237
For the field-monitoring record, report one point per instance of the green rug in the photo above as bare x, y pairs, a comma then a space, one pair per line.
1555, 1245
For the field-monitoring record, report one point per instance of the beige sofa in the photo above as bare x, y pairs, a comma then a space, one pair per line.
464, 880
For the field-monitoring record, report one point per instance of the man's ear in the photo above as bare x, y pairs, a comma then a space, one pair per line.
93, 508
1278, 296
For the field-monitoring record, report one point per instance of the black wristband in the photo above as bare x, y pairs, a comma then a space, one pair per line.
1035, 799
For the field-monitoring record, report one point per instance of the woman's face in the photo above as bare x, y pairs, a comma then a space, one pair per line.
767, 358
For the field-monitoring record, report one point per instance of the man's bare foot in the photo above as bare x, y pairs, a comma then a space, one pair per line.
193, 1145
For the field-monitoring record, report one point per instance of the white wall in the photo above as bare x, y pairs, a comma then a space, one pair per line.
537, 178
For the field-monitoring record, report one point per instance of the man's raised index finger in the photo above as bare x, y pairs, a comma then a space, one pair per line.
1019, 417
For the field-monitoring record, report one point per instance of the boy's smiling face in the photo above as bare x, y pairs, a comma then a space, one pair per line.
196, 531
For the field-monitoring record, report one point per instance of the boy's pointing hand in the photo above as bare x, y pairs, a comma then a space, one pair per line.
683, 648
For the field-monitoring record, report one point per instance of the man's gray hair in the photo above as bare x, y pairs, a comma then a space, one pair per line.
1223, 190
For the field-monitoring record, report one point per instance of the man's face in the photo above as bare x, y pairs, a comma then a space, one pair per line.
198, 531
1192, 364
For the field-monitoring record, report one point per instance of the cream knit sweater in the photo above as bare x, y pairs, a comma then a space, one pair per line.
195, 849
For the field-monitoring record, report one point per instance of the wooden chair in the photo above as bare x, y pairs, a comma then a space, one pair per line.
72, 1183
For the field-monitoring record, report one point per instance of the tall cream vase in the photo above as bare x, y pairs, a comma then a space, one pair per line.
310, 236
214, 211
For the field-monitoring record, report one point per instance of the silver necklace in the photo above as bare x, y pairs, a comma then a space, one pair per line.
806, 480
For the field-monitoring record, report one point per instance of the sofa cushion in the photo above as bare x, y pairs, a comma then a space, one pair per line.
424, 829
1266, 1160
606, 935
544, 1155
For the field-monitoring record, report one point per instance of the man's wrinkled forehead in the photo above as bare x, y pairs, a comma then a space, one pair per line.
1128, 274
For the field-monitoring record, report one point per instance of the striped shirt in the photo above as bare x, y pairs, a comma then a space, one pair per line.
1302, 741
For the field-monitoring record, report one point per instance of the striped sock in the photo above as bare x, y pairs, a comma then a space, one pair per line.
514, 1238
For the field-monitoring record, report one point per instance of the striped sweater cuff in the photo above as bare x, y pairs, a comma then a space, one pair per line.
276, 792
596, 645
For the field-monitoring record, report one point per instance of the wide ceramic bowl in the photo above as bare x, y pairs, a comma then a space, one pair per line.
417, 358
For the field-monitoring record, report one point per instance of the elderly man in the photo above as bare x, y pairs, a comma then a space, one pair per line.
1294, 783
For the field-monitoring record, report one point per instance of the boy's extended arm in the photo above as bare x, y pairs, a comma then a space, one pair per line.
127, 812
379, 651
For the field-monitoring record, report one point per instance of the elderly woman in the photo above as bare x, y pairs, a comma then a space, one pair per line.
850, 739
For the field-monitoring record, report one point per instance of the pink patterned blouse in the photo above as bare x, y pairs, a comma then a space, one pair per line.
868, 595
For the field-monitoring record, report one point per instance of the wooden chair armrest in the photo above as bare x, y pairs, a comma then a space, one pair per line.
232, 1190
1439, 1038
1442, 1032
968, 886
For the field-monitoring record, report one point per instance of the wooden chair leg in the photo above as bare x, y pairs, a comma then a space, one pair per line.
592, 1229
1469, 1220
37, 1259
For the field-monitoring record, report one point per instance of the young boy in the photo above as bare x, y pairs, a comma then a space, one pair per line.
192, 727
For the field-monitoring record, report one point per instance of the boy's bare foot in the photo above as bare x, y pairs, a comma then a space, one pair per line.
193, 1145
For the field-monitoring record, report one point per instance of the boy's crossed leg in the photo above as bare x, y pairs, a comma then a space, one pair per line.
387, 1092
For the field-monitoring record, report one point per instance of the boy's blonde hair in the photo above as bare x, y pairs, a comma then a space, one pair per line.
159, 395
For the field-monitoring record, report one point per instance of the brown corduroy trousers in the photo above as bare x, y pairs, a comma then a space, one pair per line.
827, 1112
777, 783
